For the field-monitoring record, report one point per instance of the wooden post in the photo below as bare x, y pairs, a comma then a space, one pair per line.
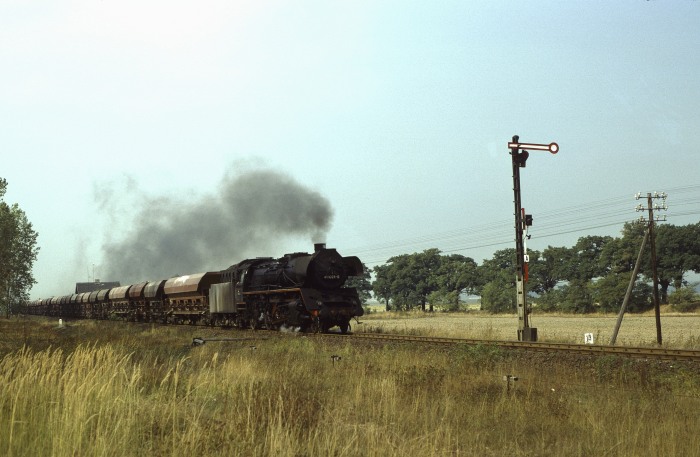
652, 241
633, 279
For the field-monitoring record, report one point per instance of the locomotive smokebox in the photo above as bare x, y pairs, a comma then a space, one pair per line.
319, 246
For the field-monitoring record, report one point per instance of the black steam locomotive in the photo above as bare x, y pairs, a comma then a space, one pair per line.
298, 291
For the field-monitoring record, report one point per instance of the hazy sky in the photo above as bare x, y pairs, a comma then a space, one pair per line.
397, 113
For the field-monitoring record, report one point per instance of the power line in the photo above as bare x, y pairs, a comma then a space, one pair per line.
608, 212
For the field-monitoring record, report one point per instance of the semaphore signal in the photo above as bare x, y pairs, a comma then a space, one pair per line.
551, 147
519, 156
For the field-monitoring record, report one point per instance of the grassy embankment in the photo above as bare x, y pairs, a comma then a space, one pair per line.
113, 389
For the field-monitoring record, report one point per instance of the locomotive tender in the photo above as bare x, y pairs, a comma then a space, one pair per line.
300, 290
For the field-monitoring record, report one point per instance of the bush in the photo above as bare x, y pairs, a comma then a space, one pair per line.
550, 301
577, 298
447, 301
610, 293
498, 297
684, 299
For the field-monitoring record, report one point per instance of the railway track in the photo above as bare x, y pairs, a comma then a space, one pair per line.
649, 353
585, 349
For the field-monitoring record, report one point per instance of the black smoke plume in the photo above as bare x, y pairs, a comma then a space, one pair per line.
250, 215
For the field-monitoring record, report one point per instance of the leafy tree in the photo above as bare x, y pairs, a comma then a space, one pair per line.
548, 268
502, 260
448, 300
677, 252
425, 278
576, 297
402, 294
456, 274
424, 271
18, 252
397, 280
412, 278
382, 284
620, 254
498, 276
595, 270
498, 295
550, 300
693, 257
610, 292
584, 263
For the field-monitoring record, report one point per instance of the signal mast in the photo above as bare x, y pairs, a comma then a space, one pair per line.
519, 156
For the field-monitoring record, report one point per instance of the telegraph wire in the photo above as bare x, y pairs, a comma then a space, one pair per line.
616, 211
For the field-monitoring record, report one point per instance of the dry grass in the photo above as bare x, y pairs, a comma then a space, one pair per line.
114, 389
678, 330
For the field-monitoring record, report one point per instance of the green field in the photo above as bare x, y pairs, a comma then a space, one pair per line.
118, 389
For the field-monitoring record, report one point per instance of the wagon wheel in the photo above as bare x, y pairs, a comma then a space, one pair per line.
315, 326
267, 322
253, 321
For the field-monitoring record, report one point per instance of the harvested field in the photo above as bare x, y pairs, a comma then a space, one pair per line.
678, 331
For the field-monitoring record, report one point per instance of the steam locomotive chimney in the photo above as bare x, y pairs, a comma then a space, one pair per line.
319, 246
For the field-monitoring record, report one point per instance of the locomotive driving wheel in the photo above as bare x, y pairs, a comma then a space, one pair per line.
344, 327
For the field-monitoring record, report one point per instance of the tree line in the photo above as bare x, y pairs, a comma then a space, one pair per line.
593, 275
18, 251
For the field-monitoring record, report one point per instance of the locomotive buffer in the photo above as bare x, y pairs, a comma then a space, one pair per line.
519, 156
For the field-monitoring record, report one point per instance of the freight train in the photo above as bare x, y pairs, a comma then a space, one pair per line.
298, 291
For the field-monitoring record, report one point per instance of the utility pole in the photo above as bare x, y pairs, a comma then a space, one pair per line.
652, 243
519, 156
628, 294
